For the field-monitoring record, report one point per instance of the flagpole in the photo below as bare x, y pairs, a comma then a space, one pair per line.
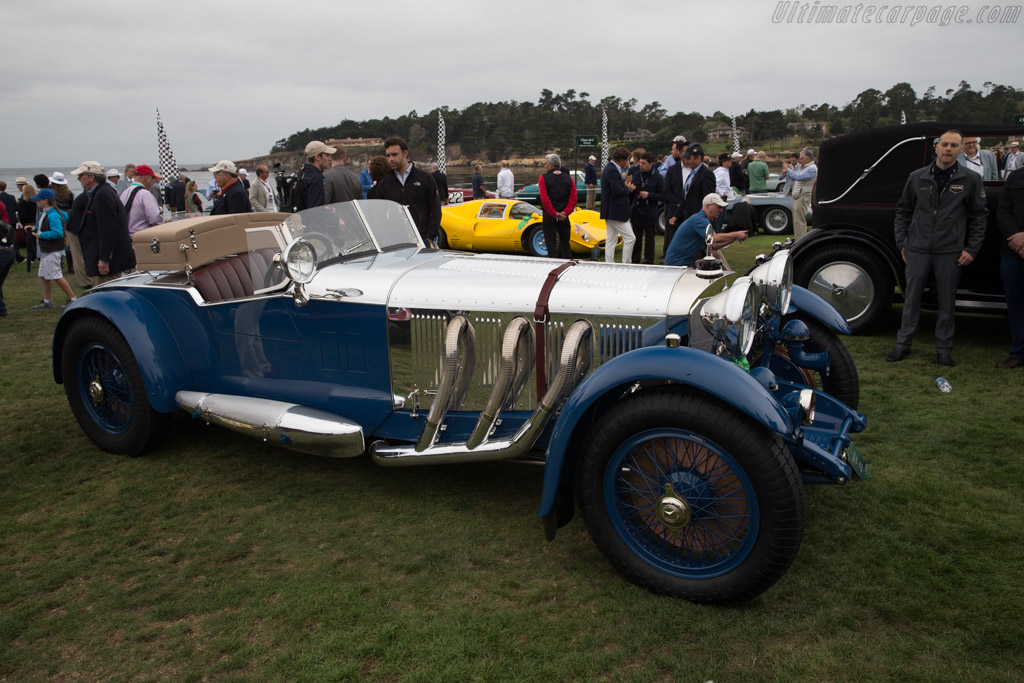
168, 166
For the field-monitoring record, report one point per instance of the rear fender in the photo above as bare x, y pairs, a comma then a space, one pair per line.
155, 348
609, 383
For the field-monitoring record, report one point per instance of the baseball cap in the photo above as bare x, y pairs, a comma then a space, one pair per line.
223, 165
737, 155
316, 147
751, 151
679, 138
713, 198
143, 169
88, 167
45, 193
692, 149
242, 171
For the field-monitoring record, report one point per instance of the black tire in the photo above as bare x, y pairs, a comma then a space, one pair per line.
853, 279
843, 381
442, 239
662, 222
741, 485
533, 241
105, 389
776, 220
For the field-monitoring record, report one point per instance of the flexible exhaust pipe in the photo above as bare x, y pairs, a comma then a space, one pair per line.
577, 353
455, 377
517, 350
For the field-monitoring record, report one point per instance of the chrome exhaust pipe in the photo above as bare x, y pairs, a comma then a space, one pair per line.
286, 424
517, 357
577, 353
455, 377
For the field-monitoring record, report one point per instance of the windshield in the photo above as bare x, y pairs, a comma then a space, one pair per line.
345, 229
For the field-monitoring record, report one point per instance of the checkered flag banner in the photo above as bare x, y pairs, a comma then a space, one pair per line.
903, 118
735, 136
168, 166
604, 137
441, 165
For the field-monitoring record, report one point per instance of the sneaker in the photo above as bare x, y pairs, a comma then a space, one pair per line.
43, 304
70, 302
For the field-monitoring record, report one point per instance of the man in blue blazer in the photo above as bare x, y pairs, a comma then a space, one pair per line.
615, 208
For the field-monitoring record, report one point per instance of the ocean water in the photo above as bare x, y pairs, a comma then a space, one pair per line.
202, 176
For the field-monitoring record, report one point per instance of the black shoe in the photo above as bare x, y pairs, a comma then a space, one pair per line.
897, 355
1009, 364
945, 359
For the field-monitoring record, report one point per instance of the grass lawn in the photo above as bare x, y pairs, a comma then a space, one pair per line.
216, 557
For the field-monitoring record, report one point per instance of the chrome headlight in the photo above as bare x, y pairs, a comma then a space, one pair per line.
731, 316
299, 261
774, 279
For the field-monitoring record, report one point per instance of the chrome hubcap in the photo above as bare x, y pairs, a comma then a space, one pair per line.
96, 391
673, 510
846, 286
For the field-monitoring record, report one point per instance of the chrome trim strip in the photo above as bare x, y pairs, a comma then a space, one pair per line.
871, 168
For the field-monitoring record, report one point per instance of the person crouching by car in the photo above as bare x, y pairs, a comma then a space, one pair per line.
50, 240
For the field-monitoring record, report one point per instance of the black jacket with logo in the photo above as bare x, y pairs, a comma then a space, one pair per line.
949, 222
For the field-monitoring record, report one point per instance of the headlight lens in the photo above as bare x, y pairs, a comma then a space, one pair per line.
300, 261
774, 278
731, 316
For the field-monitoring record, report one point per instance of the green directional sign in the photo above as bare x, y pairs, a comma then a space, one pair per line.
586, 141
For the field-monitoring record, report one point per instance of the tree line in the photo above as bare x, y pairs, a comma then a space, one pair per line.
498, 130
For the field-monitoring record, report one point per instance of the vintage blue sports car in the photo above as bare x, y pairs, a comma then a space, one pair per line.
681, 411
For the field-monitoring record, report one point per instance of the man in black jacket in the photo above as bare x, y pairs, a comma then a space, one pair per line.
673, 189
939, 228
106, 246
557, 199
232, 197
615, 206
413, 187
699, 183
318, 160
1010, 218
646, 198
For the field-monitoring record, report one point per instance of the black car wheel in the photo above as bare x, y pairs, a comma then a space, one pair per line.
850, 278
442, 239
533, 241
776, 221
662, 222
688, 497
105, 389
843, 381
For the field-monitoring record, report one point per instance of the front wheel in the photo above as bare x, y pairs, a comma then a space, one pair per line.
687, 496
854, 280
534, 241
843, 382
105, 389
442, 239
776, 221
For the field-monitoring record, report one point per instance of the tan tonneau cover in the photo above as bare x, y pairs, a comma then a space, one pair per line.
194, 242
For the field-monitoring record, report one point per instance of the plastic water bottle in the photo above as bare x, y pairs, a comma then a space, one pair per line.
943, 384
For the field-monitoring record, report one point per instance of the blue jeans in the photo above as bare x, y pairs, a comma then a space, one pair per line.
6, 261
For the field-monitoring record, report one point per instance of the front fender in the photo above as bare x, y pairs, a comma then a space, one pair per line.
691, 367
810, 303
156, 350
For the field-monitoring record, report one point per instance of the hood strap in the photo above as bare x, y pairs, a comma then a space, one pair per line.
540, 319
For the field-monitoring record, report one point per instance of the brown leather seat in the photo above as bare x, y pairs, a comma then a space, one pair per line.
233, 277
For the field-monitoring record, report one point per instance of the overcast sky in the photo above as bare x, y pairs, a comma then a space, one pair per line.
231, 78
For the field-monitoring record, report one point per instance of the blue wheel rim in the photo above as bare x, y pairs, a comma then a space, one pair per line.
724, 513
540, 246
111, 408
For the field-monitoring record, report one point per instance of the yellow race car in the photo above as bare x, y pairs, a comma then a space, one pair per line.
509, 225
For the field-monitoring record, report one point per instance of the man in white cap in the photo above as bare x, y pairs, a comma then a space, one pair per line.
103, 226
688, 243
309, 190
736, 171
113, 177
590, 180
232, 197
243, 178
1014, 160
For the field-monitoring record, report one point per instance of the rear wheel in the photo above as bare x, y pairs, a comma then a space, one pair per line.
854, 280
442, 239
686, 496
776, 221
105, 389
534, 241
